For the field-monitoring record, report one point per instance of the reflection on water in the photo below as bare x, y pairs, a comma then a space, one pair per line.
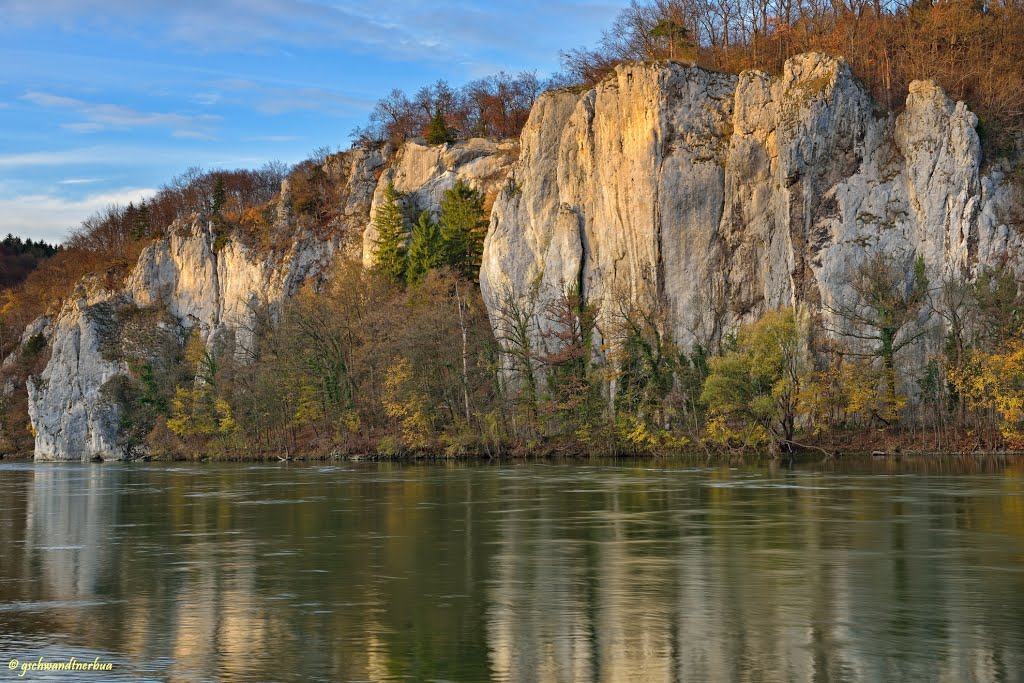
517, 573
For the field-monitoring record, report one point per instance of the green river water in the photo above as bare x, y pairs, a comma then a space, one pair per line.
638, 571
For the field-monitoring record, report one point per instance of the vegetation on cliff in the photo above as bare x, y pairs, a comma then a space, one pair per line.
972, 49
403, 358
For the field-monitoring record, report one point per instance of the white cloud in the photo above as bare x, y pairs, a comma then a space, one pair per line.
79, 181
61, 158
51, 218
102, 116
273, 99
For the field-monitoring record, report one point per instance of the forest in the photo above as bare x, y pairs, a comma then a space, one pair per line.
401, 359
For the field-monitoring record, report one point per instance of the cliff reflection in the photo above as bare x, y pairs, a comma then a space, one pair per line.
533, 573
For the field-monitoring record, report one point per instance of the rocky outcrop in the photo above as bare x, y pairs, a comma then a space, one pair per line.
727, 196
423, 173
723, 196
218, 287
71, 419
214, 283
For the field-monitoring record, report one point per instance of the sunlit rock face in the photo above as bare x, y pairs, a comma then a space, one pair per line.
728, 196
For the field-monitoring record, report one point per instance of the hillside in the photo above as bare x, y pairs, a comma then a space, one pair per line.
675, 256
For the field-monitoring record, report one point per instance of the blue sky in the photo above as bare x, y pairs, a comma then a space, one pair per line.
102, 101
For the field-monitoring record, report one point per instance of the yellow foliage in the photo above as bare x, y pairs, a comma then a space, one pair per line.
309, 408
741, 435
640, 435
196, 412
402, 402
995, 381
195, 348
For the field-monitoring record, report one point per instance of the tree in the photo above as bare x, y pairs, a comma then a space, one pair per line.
515, 328
673, 33
426, 249
883, 316
219, 197
200, 411
438, 133
463, 228
392, 235
574, 396
993, 384
753, 391
999, 307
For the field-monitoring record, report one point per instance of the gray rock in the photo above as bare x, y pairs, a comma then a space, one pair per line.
729, 196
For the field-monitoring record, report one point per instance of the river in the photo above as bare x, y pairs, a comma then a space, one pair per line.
637, 571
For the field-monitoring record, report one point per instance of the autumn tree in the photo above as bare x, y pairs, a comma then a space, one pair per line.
516, 328
884, 315
656, 384
753, 390
199, 412
573, 403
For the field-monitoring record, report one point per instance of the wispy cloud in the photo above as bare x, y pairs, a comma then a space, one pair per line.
103, 116
273, 99
227, 25
191, 135
83, 127
58, 158
273, 138
79, 181
51, 218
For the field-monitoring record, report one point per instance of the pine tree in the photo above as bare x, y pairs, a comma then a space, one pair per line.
439, 133
219, 196
463, 228
426, 250
391, 235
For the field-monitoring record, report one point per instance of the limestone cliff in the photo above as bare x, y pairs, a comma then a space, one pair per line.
723, 195
731, 195
70, 418
213, 283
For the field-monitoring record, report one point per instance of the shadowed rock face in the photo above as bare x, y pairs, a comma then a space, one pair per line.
730, 195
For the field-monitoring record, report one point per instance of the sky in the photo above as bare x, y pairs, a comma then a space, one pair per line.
103, 101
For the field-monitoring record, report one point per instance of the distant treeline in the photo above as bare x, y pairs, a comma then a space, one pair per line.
20, 257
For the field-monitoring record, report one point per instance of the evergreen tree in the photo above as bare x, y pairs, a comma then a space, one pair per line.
219, 196
426, 250
391, 235
439, 133
463, 228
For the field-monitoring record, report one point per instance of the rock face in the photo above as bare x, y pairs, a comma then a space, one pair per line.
70, 417
214, 284
218, 289
724, 196
728, 196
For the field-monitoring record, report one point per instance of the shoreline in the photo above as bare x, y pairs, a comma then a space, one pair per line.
803, 456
